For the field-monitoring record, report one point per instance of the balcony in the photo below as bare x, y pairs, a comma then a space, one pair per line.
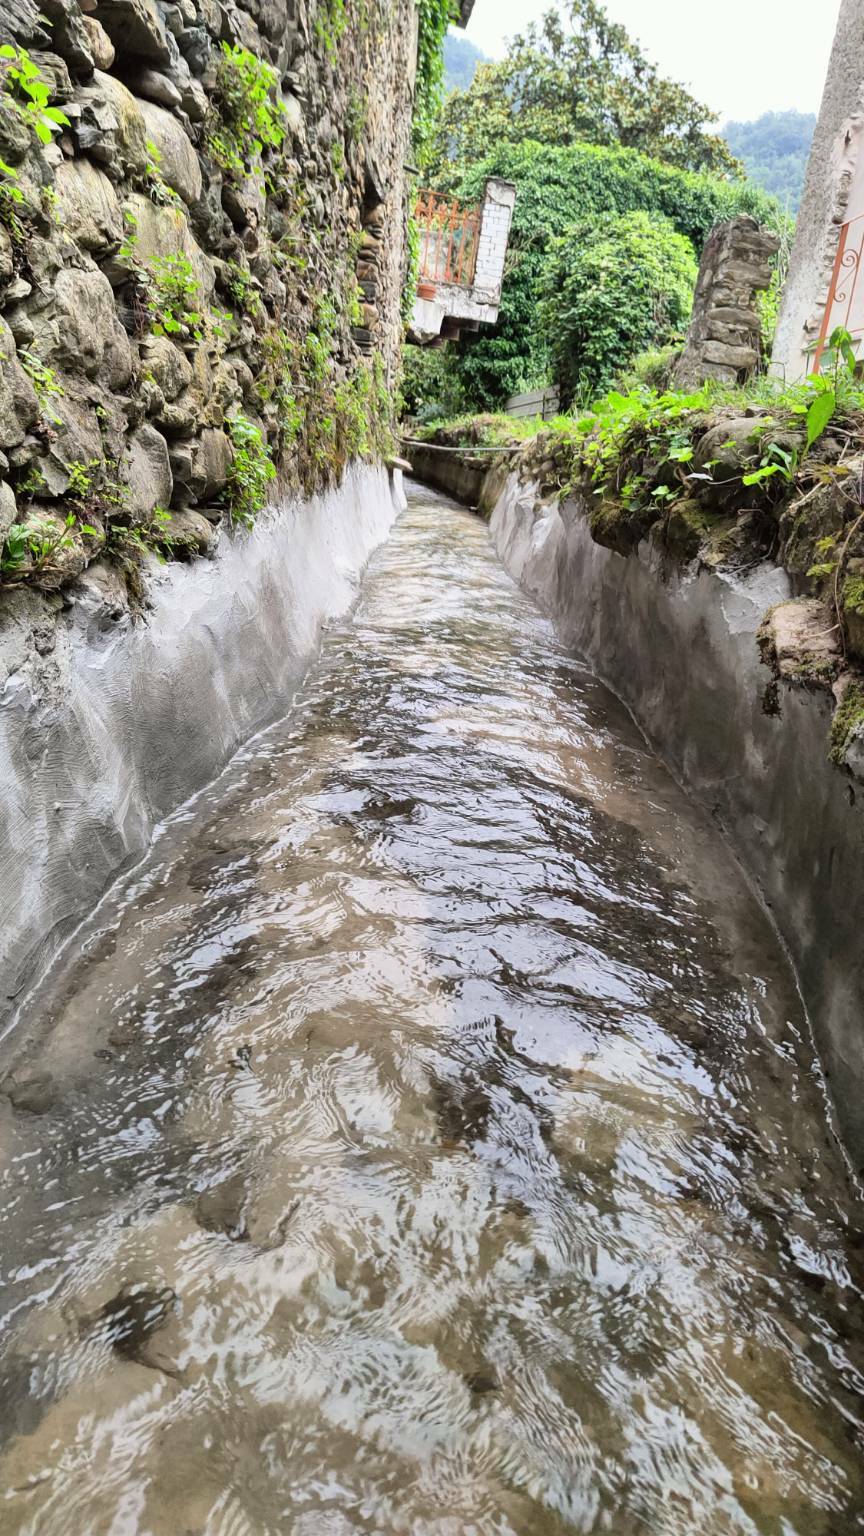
462, 256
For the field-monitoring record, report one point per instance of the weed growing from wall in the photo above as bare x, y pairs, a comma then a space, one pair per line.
331, 19
249, 115
155, 184
45, 382
173, 297
21, 83
24, 93
243, 289
252, 470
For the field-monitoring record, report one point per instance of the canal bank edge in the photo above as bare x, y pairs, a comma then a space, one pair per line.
681, 648
109, 723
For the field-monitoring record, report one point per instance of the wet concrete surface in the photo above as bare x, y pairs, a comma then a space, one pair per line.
427, 1138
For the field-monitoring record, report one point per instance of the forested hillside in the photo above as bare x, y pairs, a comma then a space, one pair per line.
461, 58
774, 150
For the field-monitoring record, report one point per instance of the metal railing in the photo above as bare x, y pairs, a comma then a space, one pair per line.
449, 236
845, 305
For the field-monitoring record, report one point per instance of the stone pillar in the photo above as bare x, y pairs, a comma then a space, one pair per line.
825, 205
723, 339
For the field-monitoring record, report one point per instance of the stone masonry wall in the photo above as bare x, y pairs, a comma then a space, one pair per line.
723, 337
201, 265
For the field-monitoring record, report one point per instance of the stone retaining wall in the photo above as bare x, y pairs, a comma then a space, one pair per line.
210, 245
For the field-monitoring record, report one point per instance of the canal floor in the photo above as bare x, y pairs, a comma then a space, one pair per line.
427, 1138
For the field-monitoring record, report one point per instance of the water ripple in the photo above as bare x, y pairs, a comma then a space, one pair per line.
427, 1138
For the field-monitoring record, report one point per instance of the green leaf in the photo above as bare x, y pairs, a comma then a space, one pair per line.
758, 475
819, 415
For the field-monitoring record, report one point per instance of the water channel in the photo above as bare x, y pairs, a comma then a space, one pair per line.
427, 1137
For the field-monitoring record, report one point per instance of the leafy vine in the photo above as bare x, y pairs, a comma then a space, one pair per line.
433, 20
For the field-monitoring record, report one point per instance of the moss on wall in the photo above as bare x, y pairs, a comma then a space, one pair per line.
202, 215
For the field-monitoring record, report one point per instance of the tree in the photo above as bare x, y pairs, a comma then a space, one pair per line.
580, 78
615, 289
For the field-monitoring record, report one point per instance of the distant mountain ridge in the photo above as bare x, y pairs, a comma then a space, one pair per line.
460, 61
774, 149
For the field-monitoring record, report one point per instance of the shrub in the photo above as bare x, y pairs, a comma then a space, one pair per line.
431, 390
650, 370
615, 289
173, 297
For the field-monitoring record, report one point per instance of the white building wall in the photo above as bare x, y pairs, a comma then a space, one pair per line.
494, 236
838, 147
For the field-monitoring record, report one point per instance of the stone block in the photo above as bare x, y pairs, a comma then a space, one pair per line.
19, 407
191, 533
55, 74
14, 133
164, 231
101, 45
91, 337
168, 365
211, 461
729, 356
7, 264
178, 162
136, 29
8, 509
88, 208
75, 439
801, 638
69, 36
153, 85
147, 470
180, 459
111, 127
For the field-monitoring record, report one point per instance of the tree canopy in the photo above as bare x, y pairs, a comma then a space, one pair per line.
580, 77
461, 58
608, 155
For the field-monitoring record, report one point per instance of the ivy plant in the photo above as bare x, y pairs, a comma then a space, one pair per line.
252, 469
249, 113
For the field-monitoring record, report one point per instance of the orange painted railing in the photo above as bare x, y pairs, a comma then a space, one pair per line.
845, 306
448, 240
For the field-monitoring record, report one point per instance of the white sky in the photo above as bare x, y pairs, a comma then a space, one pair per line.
742, 57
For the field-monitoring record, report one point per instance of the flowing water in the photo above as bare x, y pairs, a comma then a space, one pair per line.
427, 1138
